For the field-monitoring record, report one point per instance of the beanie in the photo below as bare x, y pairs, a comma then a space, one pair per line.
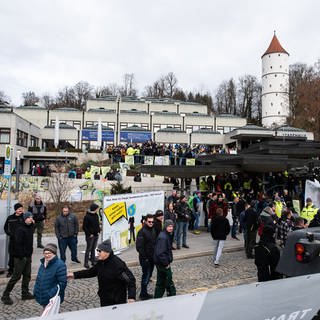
105, 246
17, 206
308, 200
168, 223
158, 213
50, 247
27, 215
94, 207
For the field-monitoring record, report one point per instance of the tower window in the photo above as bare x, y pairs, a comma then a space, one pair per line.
280, 66
275, 75
276, 94
270, 67
278, 54
278, 112
280, 103
272, 103
270, 85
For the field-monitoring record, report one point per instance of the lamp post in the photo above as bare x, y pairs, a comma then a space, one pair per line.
117, 124
18, 172
183, 116
151, 126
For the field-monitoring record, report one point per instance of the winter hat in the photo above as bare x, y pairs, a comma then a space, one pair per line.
268, 210
27, 215
277, 198
158, 213
17, 206
105, 246
51, 247
308, 200
168, 223
94, 207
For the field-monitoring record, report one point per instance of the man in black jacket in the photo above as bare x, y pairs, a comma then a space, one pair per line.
146, 239
23, 247
39, 212
267, 255
183, 216
251, 222
12, 223
162, 259
91, 228
220, 228
114, 277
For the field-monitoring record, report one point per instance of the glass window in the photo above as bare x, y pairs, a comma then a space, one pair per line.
34, 141
4, 135
22, 138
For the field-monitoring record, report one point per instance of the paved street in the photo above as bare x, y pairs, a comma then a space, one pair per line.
190, 275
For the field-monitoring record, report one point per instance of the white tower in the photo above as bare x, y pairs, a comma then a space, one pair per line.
275, 85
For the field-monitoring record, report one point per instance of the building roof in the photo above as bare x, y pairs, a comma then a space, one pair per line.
275, 47
289, 128
62, 125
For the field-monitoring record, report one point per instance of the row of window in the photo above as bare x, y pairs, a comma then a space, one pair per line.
22, 138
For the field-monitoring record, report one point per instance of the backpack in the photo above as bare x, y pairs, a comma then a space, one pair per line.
190, 202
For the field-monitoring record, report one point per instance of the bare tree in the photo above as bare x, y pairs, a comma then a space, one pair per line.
102, 91
248, 97
129, 85
48, 101
171, 83
30, 98
226, 97
60, 187
82, 92
4, 99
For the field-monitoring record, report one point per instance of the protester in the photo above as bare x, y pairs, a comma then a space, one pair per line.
116, 283
52, 272
309, 210
66, 230
220, 228
22, 251
91, 228
162, 259
146, 239
39, 211
183, 217
158, 221
12, 223
267, 255
251, 221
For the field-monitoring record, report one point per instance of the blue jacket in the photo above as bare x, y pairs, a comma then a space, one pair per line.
47, 280
163, 249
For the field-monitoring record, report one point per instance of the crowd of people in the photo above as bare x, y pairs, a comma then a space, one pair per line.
264, 219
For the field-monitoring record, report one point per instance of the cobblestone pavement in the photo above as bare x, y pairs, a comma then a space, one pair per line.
190, 275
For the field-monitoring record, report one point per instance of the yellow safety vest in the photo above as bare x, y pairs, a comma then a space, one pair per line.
308, 212
278, 208
87, 175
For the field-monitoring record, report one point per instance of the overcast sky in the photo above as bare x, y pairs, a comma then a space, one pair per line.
48, 44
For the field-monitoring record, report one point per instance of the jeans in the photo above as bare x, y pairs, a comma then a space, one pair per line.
164, 282
70, 242
22, 267
39, 225
182, 227
147, 269
90, 249
218, 246
234, 227
196, 220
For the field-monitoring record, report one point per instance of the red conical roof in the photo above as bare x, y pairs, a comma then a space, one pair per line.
275, 47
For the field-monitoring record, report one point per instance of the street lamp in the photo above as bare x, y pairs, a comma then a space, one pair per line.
151, 126
117, 124
183, 116
18, 172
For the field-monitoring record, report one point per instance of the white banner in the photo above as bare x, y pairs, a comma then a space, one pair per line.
313, 192
118, 210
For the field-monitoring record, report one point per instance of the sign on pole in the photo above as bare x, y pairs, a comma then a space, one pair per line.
7, 162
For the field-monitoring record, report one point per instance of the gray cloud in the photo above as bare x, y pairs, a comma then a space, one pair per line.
49, 44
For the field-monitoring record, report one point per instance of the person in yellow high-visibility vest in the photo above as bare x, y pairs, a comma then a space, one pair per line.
309, 210
278, 205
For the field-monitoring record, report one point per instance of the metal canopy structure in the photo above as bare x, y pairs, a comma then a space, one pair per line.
261, 157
